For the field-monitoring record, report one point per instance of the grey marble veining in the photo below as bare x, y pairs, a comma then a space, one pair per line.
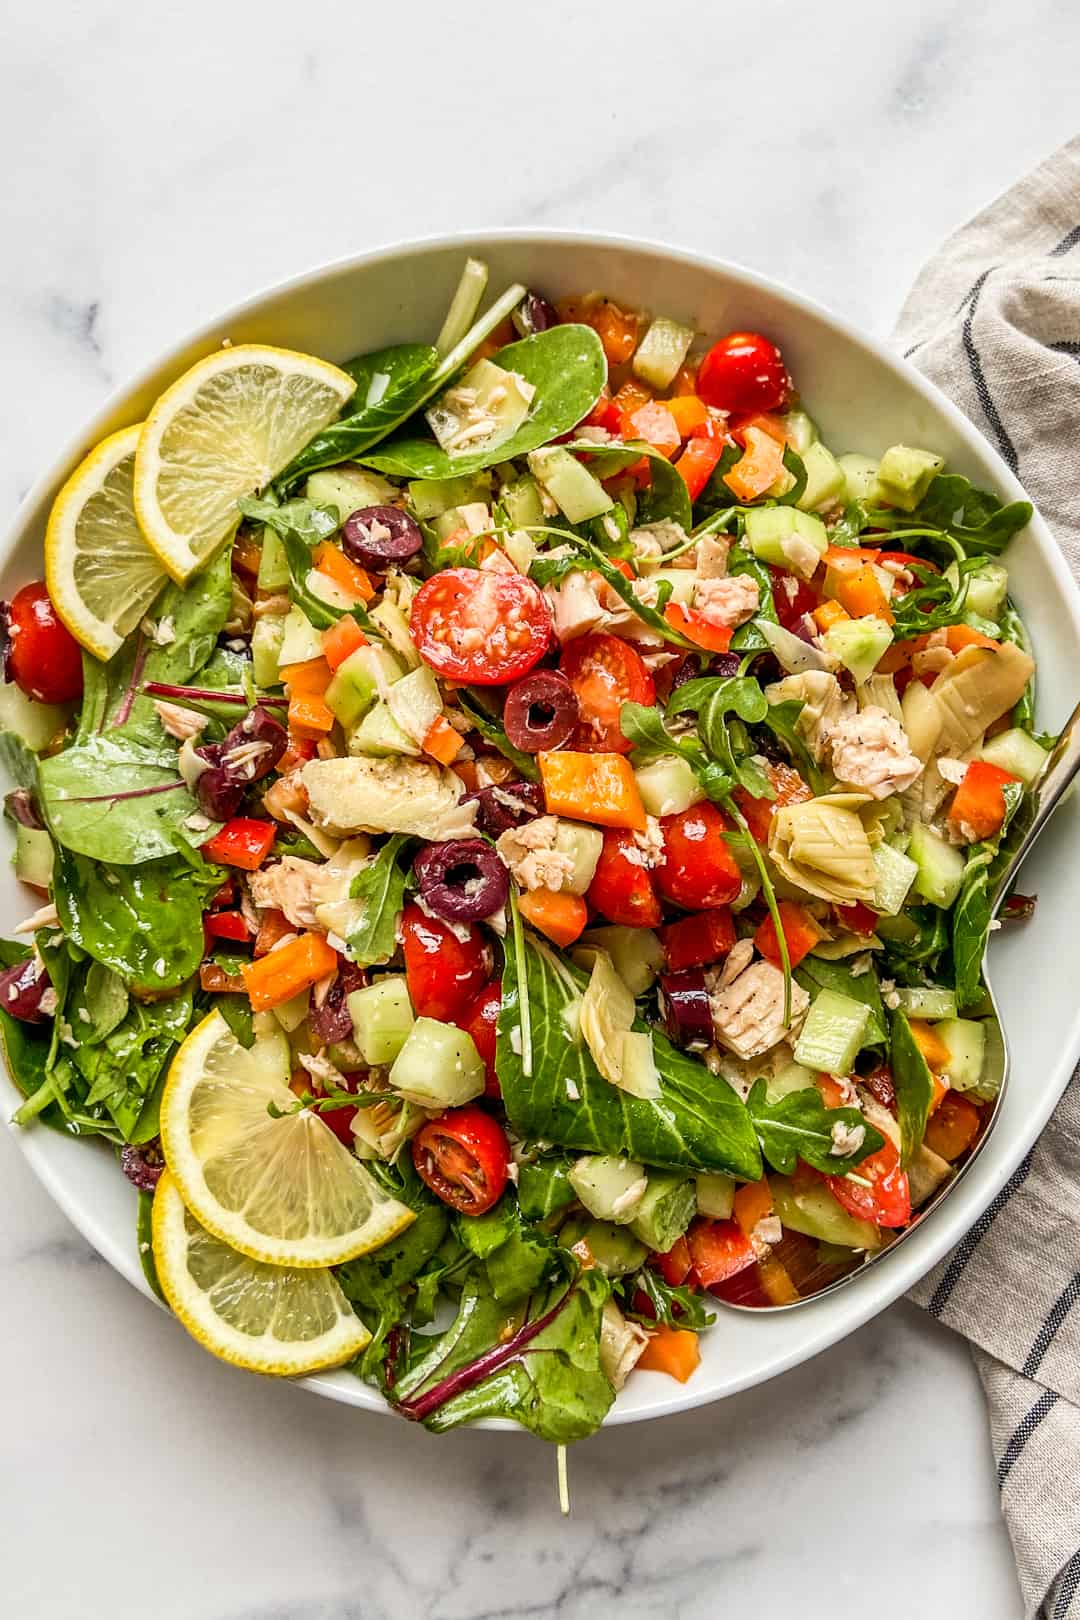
162, 163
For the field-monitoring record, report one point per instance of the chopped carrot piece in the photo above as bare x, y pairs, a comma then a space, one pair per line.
978, 806
801, 934
441, 741
953, 1127
592, 787
673, 1351
332, 561
284, 973
562, 917
829, 613
760, 466
689, 413
309, 679
753, 1202
932, 1047
309, 715
342, 640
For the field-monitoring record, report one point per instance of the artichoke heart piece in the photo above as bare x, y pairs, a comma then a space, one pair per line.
976, 688
821, 847
623, 1056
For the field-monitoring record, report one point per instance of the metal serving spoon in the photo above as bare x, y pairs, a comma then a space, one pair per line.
1048, 792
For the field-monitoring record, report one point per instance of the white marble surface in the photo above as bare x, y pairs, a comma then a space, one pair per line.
163, 161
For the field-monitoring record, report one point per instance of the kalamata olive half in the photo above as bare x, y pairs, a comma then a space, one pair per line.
509, 805
687, 1012
22, 990
462, 880
331, 1022
258, 727
20, 807
541, 711
218, 791
376, 536
534, 314
143, 1165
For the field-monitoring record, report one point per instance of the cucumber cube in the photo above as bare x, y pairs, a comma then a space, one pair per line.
273, 563
570, 484
614, 1249
792, 1077
860, 475
348, 488
824, 479
266, 639
300, 641
926, 1001
661, 352
832, 1034
940, 864
438, 1066
987, 588
668, 1207
966, 1041
524, 508
36, 723
382, 1017
859, 644
905, 475
815, 1212
715, 1195
894, 875
668, 786
1017, 752
610, 1188
415, 702
366, 675
800, 431
33, 856
380, 736
787, 538
430, 497
291, 1014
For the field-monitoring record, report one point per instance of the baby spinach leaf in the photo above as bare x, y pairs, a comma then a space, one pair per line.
381, 886
144, 1237
553, 1090
914, 1086
717, 496
565, 365
914, 943
799, 1126
544, 1187
104, 999
796, 466
26, 1046
390, 384
144, 922
814, 974
117, 801
298, 516
236, 1011
516, 1256
123, 1070
380, 1286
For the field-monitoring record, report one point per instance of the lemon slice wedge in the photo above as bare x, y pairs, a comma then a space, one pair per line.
222, 430
101, 574
280, 1189
269, 1319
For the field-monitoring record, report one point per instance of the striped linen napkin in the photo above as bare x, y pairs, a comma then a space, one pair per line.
994, 321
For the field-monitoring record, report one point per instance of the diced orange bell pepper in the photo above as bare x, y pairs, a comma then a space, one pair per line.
939, 1093
959, 636
759, 467
953, 1127
978, 806
561, 917
332, 561
932, 1047
698, 461
246, 553
599, 788
801, 934
689, 622
616, 328
342, 640
776, 1282
753, 1203
284, 973
860, 594
655, 424
309, 715
630, 398
829, 613
686, 378
441, 741
674, 1351
789, 788
309, 679
690, 413
273, 925
765, 422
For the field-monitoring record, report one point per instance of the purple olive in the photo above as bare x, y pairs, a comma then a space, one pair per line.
218, 791
462, 880
142, 1165
541, 712
21, 808
376, 536
534, 314
510, 805
687, 1012
258, 726
722, 665
23, 988
331, 1022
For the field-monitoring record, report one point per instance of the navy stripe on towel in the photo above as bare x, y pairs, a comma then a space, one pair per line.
1023, 1433
978, 377
1046, 1334
1070, 1580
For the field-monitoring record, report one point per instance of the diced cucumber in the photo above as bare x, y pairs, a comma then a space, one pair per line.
661, 352
770, 528
799, 431
438, 1066
33, 856
415, 702
583, 846
367, 674
941, 866
273, 563
792, 1077
474, 516
926, 1001
1018, 753
300, 641
382, 1017
814, 1211
966, 1041
988, 586
893, 876
329, 590
266, 641
614, 1249
524, 508
36, 723
824, 479
832, 1033
859, 644
636, 953
570, 484
668, 786
348, 488
860, 475
430, 497
521, 548
668, 1207
379, 735
610, 1188
904, 476
715, 1195
395, 626
270, 1052
291, 1014
502, 398
682, 581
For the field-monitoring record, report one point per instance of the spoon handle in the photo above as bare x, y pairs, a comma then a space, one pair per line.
1061, 768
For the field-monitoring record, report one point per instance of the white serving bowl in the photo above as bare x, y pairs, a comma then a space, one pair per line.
864, 398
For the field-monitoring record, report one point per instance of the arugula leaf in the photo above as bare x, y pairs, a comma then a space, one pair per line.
712, 699
144, 922
645, 728
544, 1187
381, 886
799, 1126
781, 719
380, 1286
491, 730
595, 560
748, 637
932, 605
566, 367
298, 516
118, 801
675, 1307
379, 406
914, 943
914, 1086
814, 974
972, 914
974, 516
698, 1121
542, 1371
516, 1256
123, 1070
1012, 628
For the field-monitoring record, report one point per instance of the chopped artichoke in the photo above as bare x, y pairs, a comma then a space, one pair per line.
879, 691
921, 716
824, 703
387, 795
821, 846
334, 910
976, 688
606, 1021
621, 1343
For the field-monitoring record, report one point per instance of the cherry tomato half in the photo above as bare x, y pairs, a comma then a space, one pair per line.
621, 889
464, 1157
480, 1019
443, 973
888, 1201
698, 870
744, 372
481, 627
44, 659
605, 673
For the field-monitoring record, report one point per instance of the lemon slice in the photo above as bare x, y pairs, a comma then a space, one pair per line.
279, 1189
225, 429
101, 574
270, 1319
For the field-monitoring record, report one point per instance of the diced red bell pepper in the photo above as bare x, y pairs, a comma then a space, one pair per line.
978, 806
242, 842
718, 1250
700, 939
801, 934
226, 925
694, 625
698, 462
789, 788
621, 888
273, 925
859, 918
675, 1265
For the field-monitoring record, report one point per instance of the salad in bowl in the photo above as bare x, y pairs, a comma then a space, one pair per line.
515, 820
